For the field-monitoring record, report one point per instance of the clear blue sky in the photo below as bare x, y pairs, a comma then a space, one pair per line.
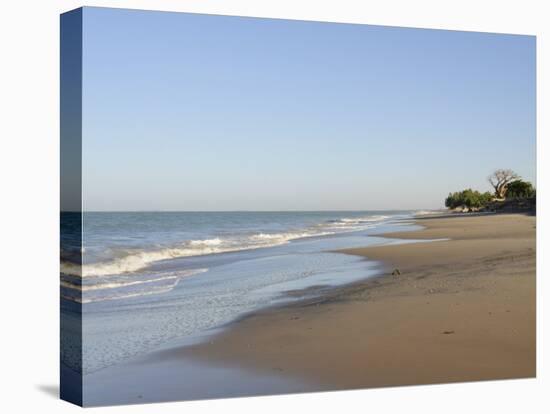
196, 112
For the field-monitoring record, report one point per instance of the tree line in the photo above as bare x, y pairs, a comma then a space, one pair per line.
507, 185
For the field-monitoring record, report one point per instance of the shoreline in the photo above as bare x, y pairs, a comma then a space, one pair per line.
465, 314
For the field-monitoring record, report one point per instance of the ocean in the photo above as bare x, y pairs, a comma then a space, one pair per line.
155, 279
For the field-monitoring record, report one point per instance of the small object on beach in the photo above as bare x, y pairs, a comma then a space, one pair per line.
294, 318
396, 272
448, 332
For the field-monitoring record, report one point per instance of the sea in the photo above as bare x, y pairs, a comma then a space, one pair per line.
150, 280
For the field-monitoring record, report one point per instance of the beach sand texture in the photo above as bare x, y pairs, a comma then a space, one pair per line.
462, 309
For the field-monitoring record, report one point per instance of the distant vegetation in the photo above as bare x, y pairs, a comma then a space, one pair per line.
520, 189
468, 198
500, 180
510, 192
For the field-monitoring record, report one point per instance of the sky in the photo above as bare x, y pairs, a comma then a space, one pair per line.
196, 112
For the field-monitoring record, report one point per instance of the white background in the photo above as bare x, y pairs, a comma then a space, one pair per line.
29, 191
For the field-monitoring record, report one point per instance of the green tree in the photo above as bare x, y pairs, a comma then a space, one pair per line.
520, 189
468, 198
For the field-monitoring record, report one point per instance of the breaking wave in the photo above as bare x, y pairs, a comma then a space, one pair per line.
134, 260
137, 260
88, 291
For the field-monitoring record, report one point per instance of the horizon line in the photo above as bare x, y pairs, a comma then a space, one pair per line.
245, 211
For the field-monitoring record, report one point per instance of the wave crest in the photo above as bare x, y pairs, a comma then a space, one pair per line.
133, 260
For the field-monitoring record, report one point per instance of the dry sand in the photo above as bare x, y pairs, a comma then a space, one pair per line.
461, 310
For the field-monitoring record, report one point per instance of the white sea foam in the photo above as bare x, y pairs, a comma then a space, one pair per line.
132, 261
126, 289
354, 224
208, 242
427, 212
120, 296
138, 260
113, 285
275, 238
368, 219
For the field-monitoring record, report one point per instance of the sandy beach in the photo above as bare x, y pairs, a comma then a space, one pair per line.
462, 309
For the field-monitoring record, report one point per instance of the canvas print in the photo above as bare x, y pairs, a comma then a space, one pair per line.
257, 206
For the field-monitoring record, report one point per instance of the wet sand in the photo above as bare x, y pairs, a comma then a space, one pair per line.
462, 309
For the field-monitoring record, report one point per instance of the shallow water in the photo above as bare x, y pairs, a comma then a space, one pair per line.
171, 300
178, 379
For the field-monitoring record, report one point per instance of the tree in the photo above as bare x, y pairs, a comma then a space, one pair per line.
520, 189
468, 199
500, 180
